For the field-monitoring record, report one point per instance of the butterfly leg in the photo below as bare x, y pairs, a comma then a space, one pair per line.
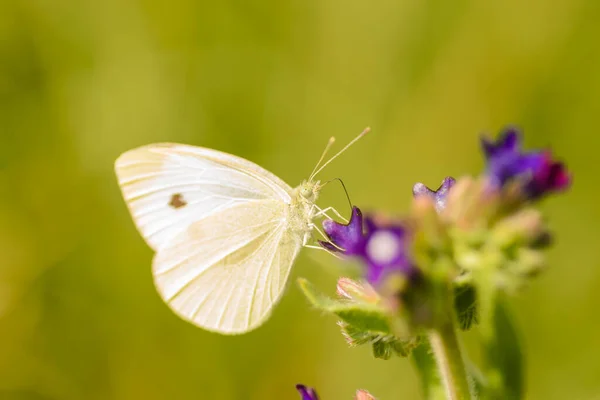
315, 227
332, 209
310, 246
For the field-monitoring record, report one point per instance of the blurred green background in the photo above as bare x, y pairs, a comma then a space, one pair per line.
83, 81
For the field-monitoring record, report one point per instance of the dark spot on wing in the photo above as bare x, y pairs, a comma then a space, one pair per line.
177, 201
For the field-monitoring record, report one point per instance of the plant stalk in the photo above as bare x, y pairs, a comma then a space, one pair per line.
450, 363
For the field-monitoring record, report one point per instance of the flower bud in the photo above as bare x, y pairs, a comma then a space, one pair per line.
364, 395
360, 292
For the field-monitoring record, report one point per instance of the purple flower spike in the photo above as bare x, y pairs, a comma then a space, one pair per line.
440, 196
506, 161
307, 393
381, 246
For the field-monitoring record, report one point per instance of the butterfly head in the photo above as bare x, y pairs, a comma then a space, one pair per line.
309, 190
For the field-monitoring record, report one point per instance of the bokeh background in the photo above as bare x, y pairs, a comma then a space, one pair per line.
83, 81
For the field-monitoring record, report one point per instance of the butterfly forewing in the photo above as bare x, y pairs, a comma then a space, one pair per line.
170, 186
226, 272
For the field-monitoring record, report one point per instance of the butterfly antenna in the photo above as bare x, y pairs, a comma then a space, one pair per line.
363, 133
327, 147
345, 190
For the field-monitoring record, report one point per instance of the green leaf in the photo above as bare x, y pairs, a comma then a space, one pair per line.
361, 323
503, 357
356, 337
363, 317
405, 347
465, 298
431, 384
383, 346
382, 350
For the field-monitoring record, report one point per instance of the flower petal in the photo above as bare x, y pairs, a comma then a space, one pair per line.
307, 393
349, 238
439, 196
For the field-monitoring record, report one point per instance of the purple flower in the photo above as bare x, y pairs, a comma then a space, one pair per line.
538, 172
310, 394
307, 393
439, 196
347, 239
380, 245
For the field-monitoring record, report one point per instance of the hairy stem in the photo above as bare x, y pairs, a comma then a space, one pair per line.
450, 362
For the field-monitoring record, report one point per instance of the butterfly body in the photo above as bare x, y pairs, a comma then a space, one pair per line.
302, 209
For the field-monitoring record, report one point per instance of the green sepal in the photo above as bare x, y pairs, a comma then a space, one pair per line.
383, 346
356, 337
362, 316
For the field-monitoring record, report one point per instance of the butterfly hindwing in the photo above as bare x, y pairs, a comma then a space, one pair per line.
227, 272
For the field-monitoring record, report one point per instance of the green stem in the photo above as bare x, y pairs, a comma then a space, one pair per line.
450, 363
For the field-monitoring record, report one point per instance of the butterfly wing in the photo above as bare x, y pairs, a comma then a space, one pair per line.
227, 272
169, 186
219, 226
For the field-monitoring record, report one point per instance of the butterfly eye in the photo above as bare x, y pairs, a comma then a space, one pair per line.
306, 192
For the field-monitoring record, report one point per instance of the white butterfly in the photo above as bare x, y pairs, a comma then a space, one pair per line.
225, 231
